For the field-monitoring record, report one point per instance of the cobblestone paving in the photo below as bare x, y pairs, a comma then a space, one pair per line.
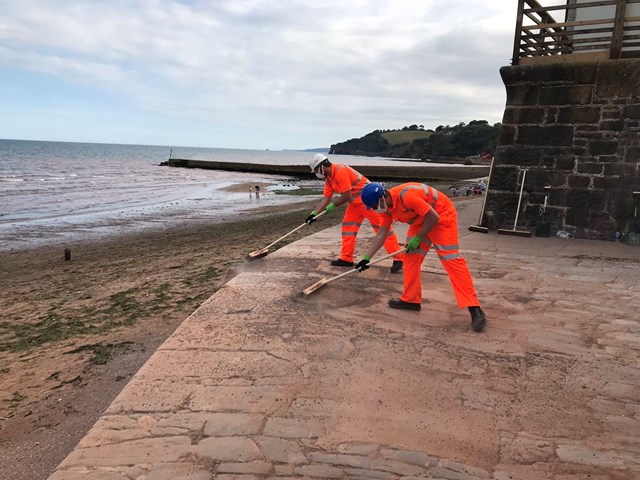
262, 382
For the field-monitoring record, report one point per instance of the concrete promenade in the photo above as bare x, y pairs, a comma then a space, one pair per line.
264, 382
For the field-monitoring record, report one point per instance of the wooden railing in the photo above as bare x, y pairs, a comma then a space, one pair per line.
540, 34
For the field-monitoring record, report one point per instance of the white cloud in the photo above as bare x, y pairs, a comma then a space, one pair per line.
321, 68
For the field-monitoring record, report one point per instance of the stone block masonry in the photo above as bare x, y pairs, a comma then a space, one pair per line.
575, 127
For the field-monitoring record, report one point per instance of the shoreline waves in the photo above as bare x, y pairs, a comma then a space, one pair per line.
49, 189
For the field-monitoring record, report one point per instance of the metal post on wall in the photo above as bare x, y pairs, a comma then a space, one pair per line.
542, 223
633, 238
615, 52
515, 59
636, 227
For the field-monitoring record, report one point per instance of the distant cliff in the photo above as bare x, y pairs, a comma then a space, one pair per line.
458, 141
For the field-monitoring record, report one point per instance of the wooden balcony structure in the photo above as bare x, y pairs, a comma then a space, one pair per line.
591, 31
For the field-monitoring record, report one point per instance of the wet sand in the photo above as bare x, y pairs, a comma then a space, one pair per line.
74, 332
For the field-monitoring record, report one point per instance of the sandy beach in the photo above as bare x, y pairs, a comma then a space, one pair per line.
74, 332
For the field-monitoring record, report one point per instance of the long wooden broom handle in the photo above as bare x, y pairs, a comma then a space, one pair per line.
292, 231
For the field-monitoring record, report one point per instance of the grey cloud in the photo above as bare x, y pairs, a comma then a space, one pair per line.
359, 64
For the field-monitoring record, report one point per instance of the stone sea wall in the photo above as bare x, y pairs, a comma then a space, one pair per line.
574, 127
421, 172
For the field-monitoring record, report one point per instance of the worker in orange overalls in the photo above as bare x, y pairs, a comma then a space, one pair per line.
348, 183
433, 221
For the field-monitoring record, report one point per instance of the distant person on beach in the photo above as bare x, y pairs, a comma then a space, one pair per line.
257, 191
433, 221
348, 183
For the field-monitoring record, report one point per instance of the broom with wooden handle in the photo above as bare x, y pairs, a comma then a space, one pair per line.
513, 231
324, 281
264, 251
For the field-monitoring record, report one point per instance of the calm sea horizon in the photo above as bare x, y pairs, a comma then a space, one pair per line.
56, 192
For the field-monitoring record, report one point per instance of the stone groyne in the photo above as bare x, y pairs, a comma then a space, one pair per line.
419, 172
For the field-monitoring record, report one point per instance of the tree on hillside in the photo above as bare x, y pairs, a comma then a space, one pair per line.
373, 142
459, 140
462, 140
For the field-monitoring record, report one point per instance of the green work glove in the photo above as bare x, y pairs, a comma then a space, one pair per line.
330, 208
363, 264
312, 217
414, 243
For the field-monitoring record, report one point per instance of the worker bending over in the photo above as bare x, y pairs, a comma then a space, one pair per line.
348, 183
433, 220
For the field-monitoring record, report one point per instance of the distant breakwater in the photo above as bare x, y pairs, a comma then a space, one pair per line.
419, 172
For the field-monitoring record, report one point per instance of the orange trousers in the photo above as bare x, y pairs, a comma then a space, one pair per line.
444, 238
354, 214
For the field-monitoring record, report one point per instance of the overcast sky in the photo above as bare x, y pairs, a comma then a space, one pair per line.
248, 73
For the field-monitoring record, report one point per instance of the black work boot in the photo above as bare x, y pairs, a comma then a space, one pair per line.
478, 320
402, 305
397, 266
341, 263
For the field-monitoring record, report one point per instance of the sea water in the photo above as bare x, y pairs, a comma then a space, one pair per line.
55, 192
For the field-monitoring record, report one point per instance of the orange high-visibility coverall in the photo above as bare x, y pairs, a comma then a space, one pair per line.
342, 179
411, 202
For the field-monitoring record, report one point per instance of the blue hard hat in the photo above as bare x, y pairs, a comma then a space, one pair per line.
371, 194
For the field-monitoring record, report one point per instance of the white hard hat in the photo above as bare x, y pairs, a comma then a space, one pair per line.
318, 158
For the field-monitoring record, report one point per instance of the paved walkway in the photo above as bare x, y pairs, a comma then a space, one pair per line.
264, 382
